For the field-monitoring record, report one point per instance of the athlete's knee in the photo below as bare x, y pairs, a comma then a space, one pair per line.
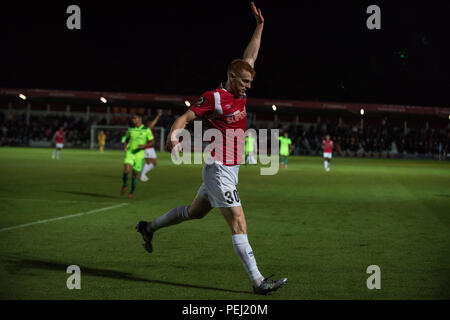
236, 221
239, 226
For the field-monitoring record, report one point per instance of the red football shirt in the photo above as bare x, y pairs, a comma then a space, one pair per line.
59, 136
226, 113
153, 143
327, 146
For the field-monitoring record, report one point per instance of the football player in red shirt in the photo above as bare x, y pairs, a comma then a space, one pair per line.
58, 140
224, 110
327, 145
150, 154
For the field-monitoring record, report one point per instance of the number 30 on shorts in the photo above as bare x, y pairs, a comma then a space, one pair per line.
232, 196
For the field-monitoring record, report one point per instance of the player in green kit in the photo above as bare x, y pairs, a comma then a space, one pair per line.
137, 138
250, 148
285, 149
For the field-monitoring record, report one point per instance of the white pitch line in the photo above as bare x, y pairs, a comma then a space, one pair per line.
64, 217
64, 201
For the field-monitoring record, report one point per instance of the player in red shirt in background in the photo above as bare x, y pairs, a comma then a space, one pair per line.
58, 140
150, 154
327, 145
222, 109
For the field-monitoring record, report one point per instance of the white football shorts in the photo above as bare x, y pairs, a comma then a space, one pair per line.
328, 155
150, 153
59, 145
219, 185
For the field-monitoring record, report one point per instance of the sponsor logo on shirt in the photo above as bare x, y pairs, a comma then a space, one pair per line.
237, 116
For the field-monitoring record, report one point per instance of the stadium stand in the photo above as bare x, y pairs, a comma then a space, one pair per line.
383, 130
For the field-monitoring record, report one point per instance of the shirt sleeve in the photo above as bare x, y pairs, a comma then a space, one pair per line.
125, 137
204, 105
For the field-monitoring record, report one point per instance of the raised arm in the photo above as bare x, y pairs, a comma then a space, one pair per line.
153, 123
251, 52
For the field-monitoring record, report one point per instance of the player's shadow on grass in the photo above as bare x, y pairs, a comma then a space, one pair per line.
17, 265
90, 194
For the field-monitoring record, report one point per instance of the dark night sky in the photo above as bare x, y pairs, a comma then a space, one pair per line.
311, 50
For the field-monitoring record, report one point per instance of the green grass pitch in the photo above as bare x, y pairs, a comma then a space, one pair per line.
319, 229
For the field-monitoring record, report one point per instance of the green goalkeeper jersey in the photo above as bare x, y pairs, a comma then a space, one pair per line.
137, 136
284, 146
249, 144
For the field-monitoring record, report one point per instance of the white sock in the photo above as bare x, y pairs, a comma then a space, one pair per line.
54, 153
325, 164
245, 253
57, 154
147, 168
173, 216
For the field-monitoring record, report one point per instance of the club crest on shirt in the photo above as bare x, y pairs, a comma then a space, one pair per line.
200, 101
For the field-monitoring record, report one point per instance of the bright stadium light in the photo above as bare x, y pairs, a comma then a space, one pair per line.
187, 103
22, 96
361, 112
103, 99
274, 107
